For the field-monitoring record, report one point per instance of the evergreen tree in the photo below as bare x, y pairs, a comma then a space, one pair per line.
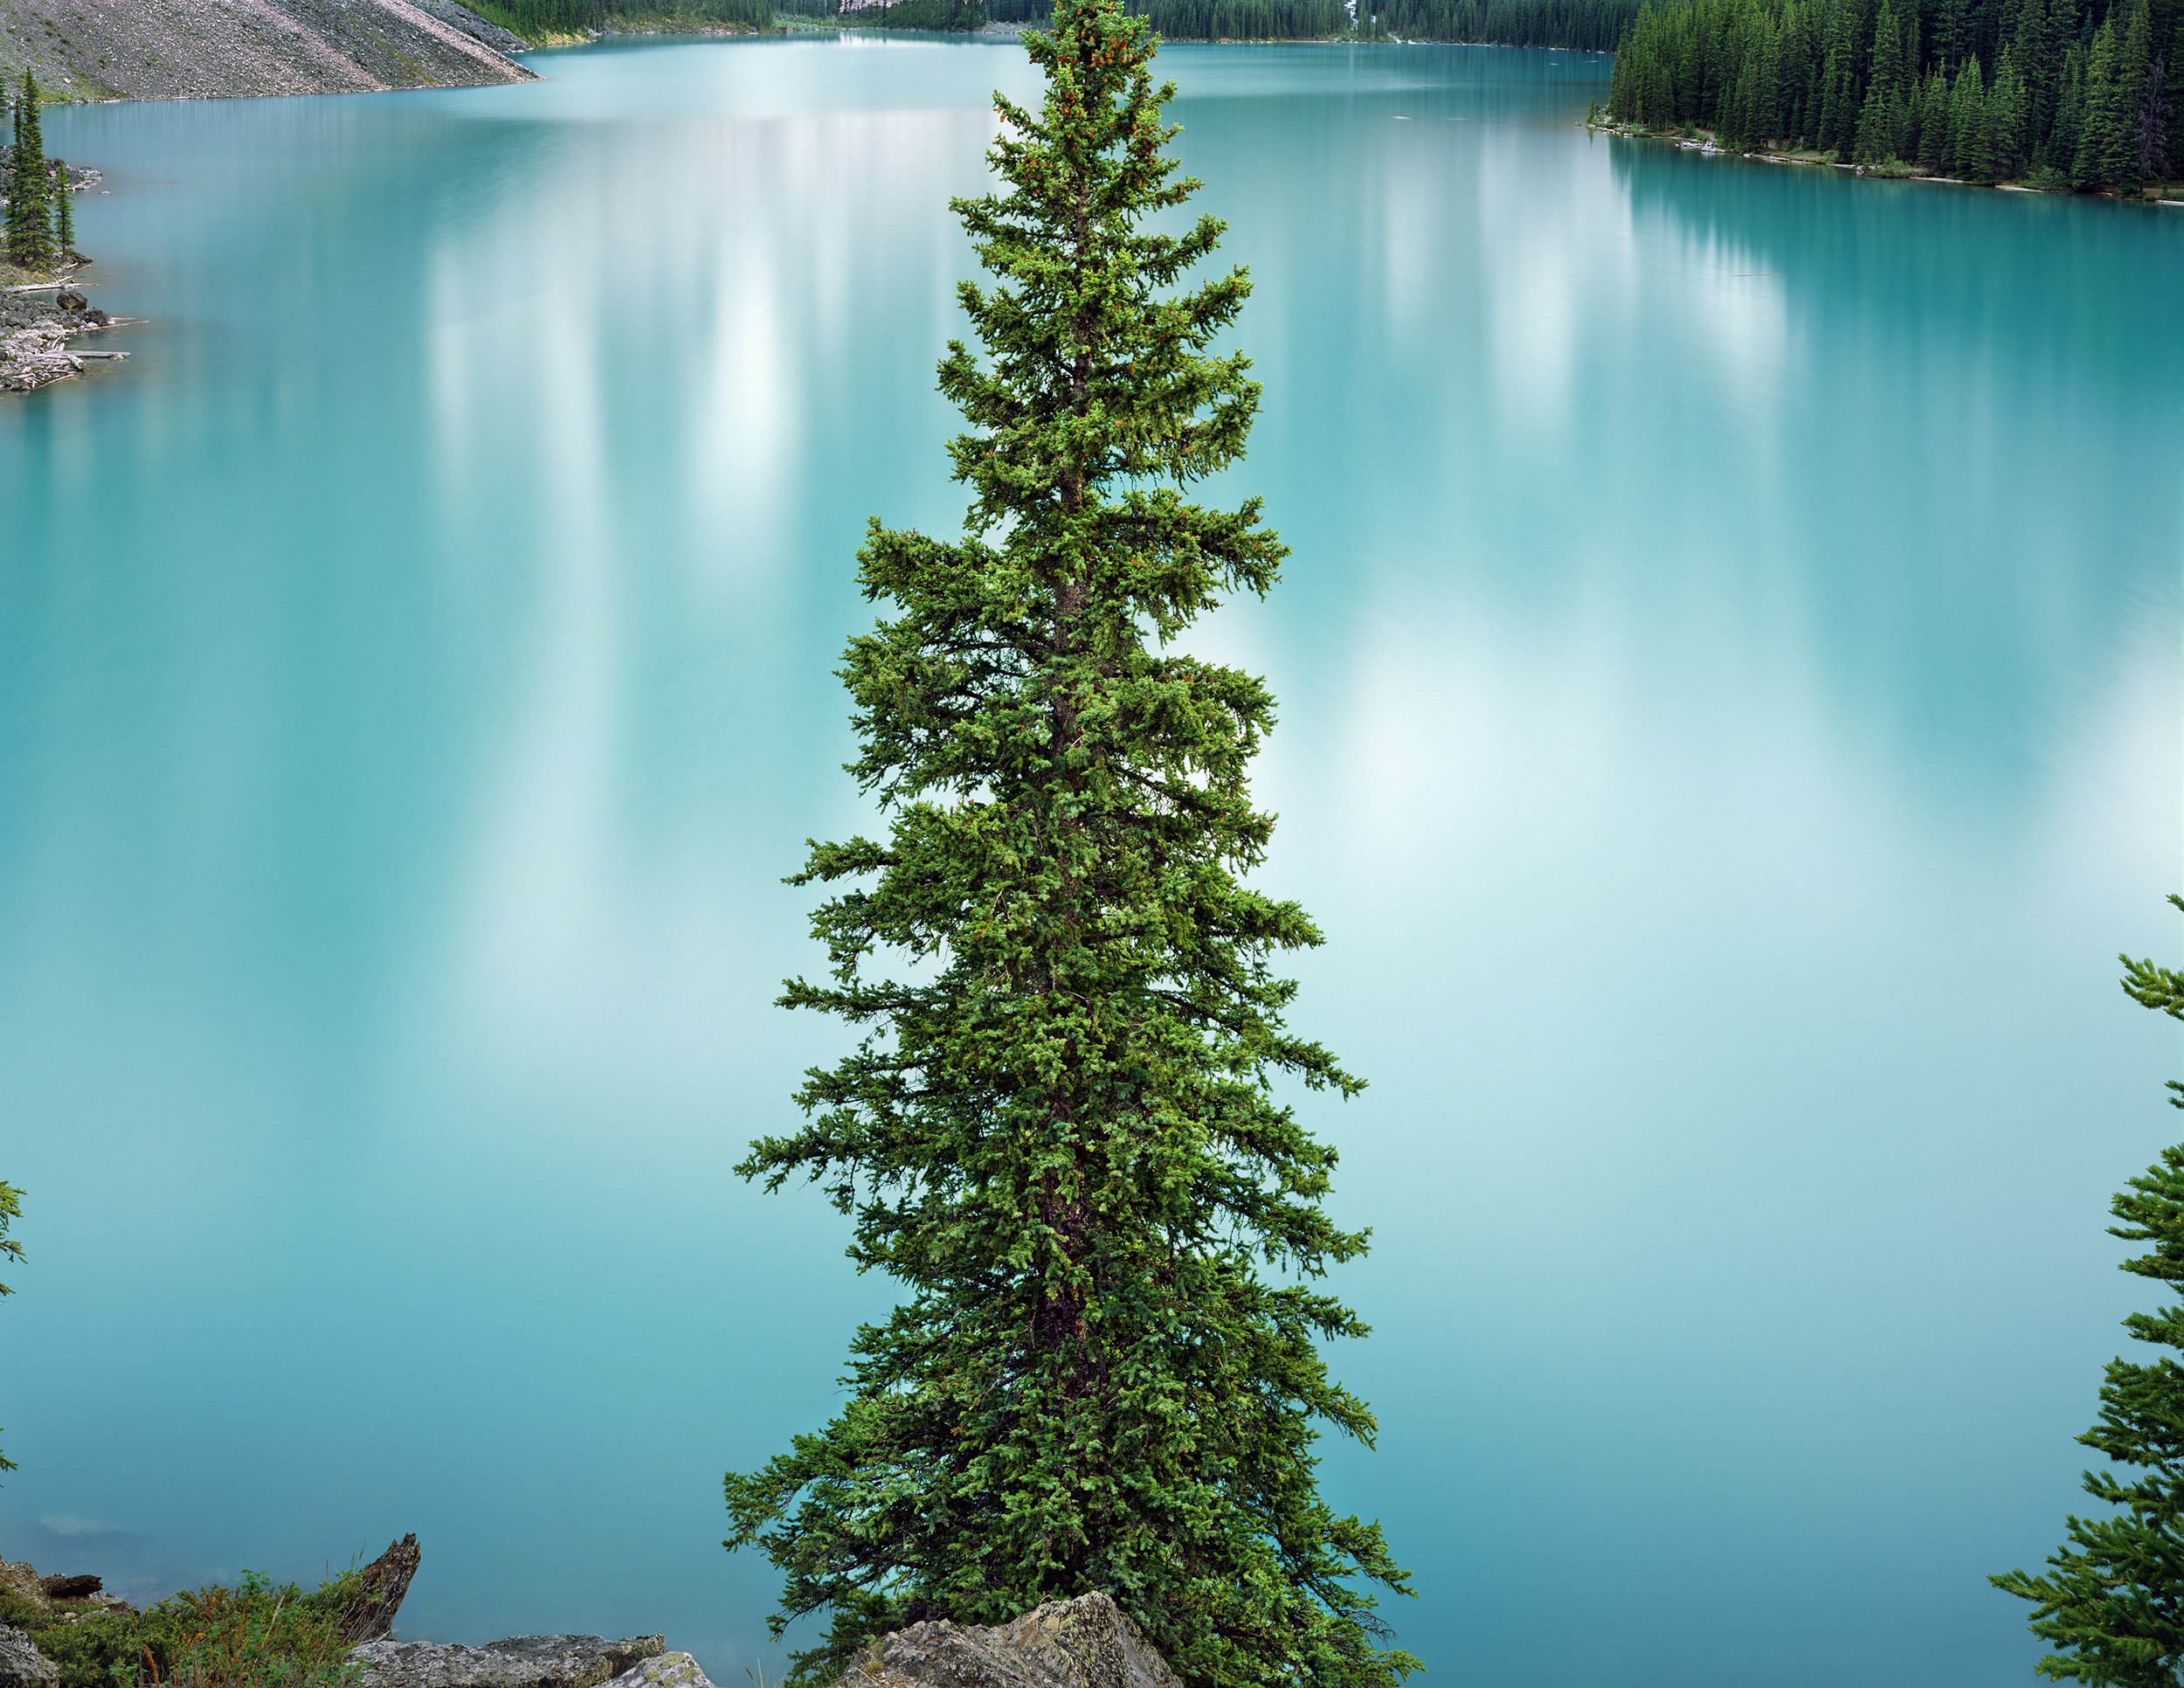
2112, 1604
64, 214
1061, 1140
1933, 124
1840, 105
29, 187
2042, 31
1952, 34
10, 1208
2006, 119
2105, 155
2140, 79
2069, 109
1880, 120
2173, 98
1969, 157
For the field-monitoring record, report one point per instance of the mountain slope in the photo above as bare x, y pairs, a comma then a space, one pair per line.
198, 49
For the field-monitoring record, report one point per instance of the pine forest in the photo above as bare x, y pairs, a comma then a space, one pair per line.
2051, 93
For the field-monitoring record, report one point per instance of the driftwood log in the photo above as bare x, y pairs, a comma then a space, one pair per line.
370, 1616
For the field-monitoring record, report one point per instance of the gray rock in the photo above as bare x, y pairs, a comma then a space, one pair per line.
21, 1665
20, 1579
61, 1585
519, 1662
668, 1670
1086, 1643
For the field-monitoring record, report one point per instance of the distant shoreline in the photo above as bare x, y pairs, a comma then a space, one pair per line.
1705, 142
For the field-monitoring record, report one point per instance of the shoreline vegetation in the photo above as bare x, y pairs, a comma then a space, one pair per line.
1707, 142
2085, 95
41, 308
1578, 25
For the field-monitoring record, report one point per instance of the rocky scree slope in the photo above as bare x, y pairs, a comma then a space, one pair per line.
206, 49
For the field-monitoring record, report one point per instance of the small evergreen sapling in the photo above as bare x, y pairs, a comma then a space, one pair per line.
2112, 1602
63, 215
1059, 1135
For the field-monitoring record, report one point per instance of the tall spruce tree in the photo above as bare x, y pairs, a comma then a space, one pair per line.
1059, 1137
2112, 1603
1881, 119
1970, 140
30, 186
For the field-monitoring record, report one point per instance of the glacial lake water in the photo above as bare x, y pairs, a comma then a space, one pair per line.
1729, 672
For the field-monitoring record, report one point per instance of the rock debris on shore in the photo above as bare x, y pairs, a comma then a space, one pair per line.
35, 328
1086, 1643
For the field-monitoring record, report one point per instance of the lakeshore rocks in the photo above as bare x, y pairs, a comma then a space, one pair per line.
21, 1579
63, 1586
519, 1662
36, 357
668, 1670
21, 1665
1086, 1643
34, 333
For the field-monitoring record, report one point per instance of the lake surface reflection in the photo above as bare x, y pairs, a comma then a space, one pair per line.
1730, 671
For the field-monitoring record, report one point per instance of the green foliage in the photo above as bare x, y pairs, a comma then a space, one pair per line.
922, 15
30, 237
257, 1634
2112, 1603
1058, 1133
1586, 26
64, 214
1243, 20
2082, 88
546, 20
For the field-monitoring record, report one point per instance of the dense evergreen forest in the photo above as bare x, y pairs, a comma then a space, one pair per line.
1588, 25
1592, 25
2082, 94
542, 20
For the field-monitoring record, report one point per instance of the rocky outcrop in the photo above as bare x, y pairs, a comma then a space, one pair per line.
20, 1580
668, 1670
371, 1617
198, 49
21, 1665
1086, 1643
36, 325
519, 1662
62, 314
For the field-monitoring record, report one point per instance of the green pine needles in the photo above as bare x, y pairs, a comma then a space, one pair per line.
30, 186
2112, 1604
1059, 1133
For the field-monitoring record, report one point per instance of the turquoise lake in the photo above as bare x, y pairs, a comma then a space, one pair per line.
1729, 670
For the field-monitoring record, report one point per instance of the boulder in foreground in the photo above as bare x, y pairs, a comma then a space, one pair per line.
1086, 1643
519, 1662
668, 1670
21, 1665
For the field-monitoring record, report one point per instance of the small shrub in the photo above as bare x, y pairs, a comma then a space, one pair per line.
256, 1633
